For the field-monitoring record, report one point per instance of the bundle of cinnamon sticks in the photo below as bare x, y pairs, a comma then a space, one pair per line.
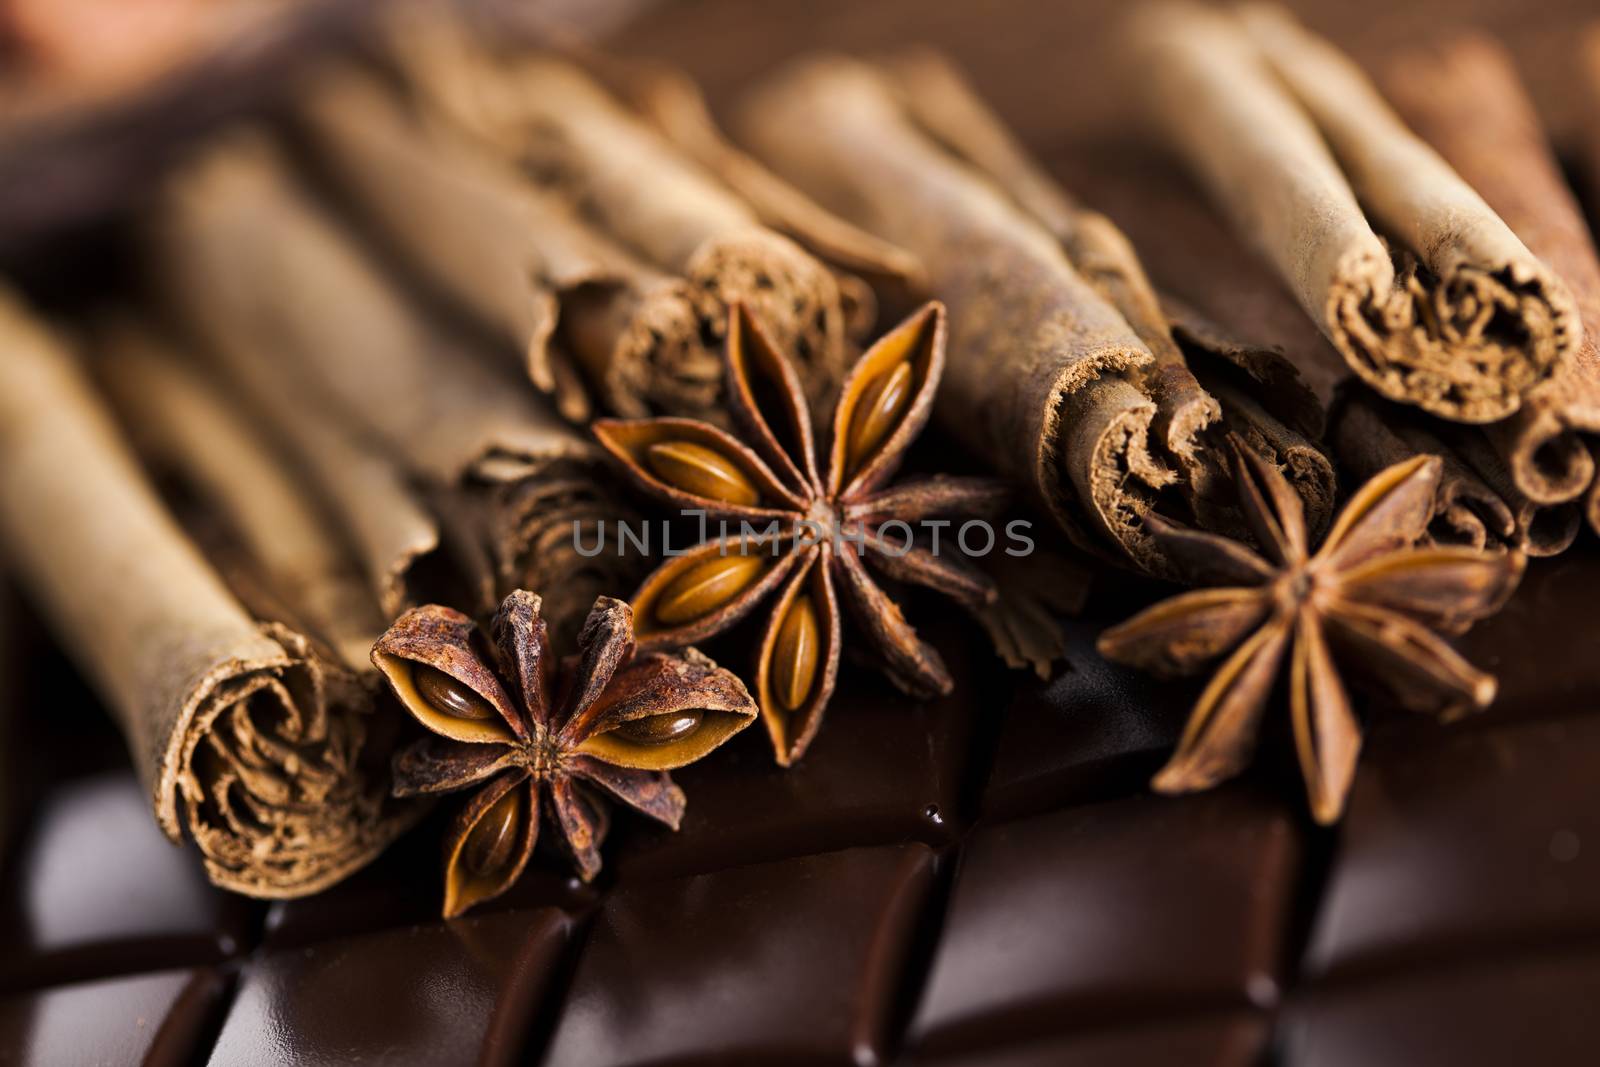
543, 204
1068, 371
1423, 225
229, 668
351, 380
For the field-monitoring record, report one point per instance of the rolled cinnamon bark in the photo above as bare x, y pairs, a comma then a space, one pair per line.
935, 96
1189, 252
258, 511
1538, 529
366, 494
258, 271
1448, 310
1034, 380
250, 742
593, 318
934, 92
562, 131
1464, 97
1371, 435
673, 103
1205, 274
1048, 378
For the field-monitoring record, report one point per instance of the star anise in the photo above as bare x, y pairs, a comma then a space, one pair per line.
806, 527
1369, 599
604, 722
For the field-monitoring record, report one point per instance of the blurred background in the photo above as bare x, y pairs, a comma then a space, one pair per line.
96, 95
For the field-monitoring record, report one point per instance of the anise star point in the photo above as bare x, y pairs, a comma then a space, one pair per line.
805, 529
1368, 600
533, 734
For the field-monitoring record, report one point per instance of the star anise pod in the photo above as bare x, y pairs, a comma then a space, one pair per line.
605, 722
1368, 601
805, 528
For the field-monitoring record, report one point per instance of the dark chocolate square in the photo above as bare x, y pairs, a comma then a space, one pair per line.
1235, 1040
1488, 1013
1476, 839
796, 960
466, 991
94, 888
157, 1020
1524, 645
1132, 906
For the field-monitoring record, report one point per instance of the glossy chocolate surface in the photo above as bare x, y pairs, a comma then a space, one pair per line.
801, 959
442, 993
1095, 910
156, 1019
1493, 1011
1055, 912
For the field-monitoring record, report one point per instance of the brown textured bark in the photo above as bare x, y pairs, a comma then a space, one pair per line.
257, 270
1190, 253
363, 491
1033, 594
591, 317
1202, 376
1538, 529
1260, 108
560, 130
1463, 96
674, 104
1033, 382
937, 98
184, 427
250, 742
1206, 275
1369, 435
1052, 374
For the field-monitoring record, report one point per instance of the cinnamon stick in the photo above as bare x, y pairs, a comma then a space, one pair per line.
250, 742
673, 103
1370, 435
1197, 364
562, 132
1447, 310
1189, 252
1205, 275
1538, 529
596, 322
183, 425
1464, 97
258, 270
1033, 381
1049, 376
935, 96
367, 495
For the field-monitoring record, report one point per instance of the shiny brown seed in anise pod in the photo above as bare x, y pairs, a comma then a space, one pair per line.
799, 530
606, 722
1368, 601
